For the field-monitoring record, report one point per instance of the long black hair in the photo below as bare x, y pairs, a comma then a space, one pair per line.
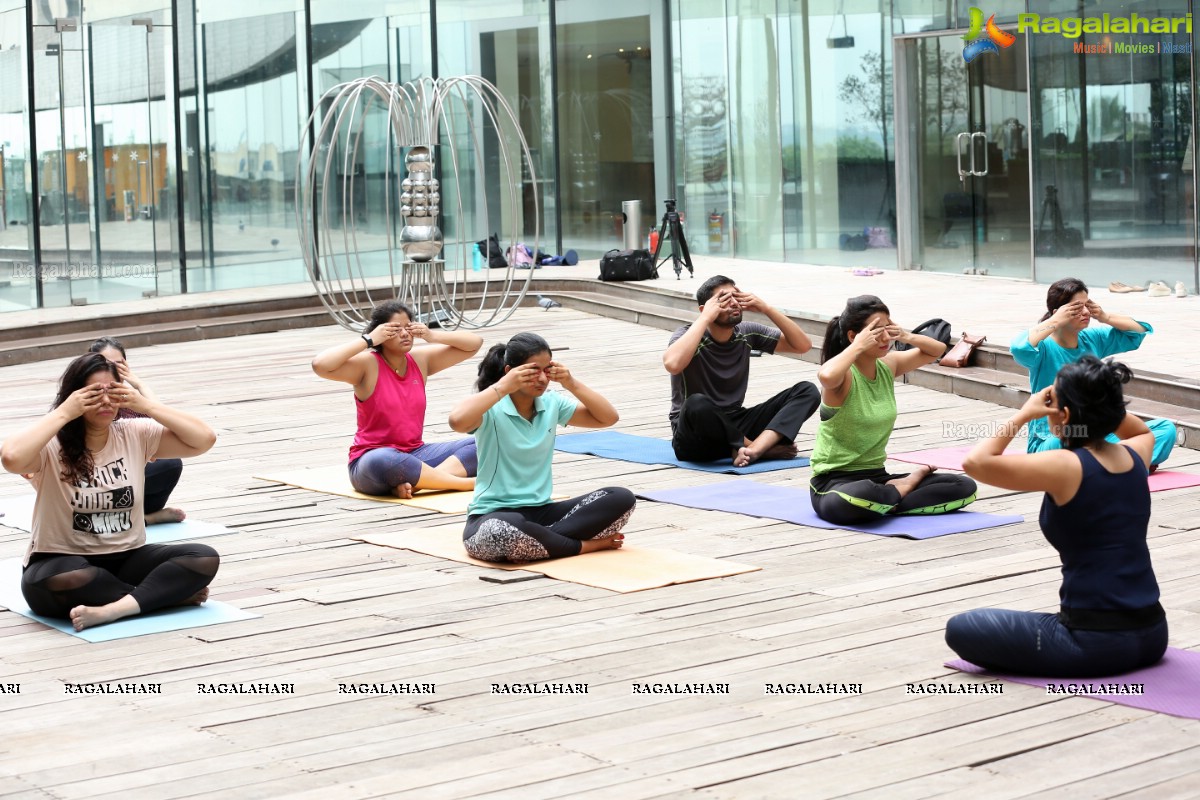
72, 438
853, 318
104, 343
383, 313
1060, 293
1091, 389
514, 353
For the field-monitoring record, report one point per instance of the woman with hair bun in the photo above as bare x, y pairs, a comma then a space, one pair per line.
88, 560
1062, 336
511, 517
849, 484
1095, 514
389, 455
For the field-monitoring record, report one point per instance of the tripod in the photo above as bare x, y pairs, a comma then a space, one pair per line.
1050, 206
673, 230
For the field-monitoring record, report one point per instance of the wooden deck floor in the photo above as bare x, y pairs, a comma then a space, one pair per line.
827, 607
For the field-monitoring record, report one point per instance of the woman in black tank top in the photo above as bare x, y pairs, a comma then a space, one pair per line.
1095, 513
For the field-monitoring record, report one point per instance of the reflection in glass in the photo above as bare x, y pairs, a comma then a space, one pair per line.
605, 118
16, 234
1110, 133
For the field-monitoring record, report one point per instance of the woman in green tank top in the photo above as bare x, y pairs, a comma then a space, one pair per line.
858, 410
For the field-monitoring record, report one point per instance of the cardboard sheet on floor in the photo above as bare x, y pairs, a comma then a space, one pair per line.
213, 612
629, 569
18, 513
792, 504
336, 480
952, 458
647, 450
1172, 686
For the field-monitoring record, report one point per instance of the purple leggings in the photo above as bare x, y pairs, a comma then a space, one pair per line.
381, 470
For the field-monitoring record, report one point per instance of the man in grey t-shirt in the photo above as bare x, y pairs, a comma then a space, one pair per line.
709, 362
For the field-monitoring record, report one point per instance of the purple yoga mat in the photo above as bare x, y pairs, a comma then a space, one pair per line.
952, 458
1172, 686
793, 505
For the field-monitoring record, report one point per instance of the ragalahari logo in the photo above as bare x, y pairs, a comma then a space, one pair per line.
992, 43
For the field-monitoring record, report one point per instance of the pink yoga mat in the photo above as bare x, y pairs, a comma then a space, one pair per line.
1172, 686
952, 457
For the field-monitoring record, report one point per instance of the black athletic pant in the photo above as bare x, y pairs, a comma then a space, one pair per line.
705, 432
161, 477
849, 498
535, 533
157, 575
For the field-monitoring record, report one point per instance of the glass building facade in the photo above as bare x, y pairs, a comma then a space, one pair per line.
150, 147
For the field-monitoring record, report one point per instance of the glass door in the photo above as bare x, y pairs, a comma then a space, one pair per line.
965, 130
132, 138
62, 189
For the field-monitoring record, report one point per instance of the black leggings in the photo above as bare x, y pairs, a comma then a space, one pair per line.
161, 477
156, 575
850, 498
705, 432
535, 533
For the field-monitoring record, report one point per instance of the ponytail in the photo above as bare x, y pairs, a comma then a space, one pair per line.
516, 352
491, 369
835, 341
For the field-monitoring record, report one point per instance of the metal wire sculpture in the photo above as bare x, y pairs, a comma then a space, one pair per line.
431, 275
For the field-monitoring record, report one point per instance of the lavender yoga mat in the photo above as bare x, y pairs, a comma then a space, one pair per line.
646, 450
794, 505
952, 458
1171, 686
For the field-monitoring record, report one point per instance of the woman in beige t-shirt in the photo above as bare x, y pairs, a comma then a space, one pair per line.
88, 560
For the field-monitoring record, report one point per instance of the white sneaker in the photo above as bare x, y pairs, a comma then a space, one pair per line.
1158, 289
1180, 289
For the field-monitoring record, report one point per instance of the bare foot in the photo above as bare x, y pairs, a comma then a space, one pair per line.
404, 491
197, 599
912, 480
164, 515
91, 616
611, 543
748, 455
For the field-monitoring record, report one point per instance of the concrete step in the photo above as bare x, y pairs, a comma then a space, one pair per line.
176, 325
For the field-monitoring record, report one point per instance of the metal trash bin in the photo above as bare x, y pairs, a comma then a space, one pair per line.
631, 214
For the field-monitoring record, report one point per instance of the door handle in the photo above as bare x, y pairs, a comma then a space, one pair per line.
958, 152
982, 136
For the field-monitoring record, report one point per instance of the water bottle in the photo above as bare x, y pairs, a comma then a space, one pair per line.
477, 260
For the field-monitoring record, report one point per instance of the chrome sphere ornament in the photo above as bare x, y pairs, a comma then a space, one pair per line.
364, 244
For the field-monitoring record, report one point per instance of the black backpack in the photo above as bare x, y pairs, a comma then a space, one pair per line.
935, 329
493, 255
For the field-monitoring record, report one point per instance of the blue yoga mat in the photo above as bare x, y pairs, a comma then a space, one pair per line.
645, 450
212, 612
794, 505
17, 512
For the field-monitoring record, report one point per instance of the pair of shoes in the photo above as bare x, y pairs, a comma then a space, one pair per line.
1158, 289
1180, 289
1116, 287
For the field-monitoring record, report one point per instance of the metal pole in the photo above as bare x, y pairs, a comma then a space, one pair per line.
63, 26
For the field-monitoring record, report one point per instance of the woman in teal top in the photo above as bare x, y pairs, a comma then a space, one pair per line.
511, 517
1063, 336
858, 410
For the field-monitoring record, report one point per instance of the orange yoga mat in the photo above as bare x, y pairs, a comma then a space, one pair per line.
629, 569
336, 480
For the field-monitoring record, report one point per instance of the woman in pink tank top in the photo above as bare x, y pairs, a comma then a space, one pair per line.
389, 455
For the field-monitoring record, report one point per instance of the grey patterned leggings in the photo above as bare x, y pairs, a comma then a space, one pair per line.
534, 533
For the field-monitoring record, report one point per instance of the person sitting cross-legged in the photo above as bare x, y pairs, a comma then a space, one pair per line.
709, 363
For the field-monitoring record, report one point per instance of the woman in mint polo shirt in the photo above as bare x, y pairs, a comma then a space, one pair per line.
858, 411
511, 517
1063, 336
